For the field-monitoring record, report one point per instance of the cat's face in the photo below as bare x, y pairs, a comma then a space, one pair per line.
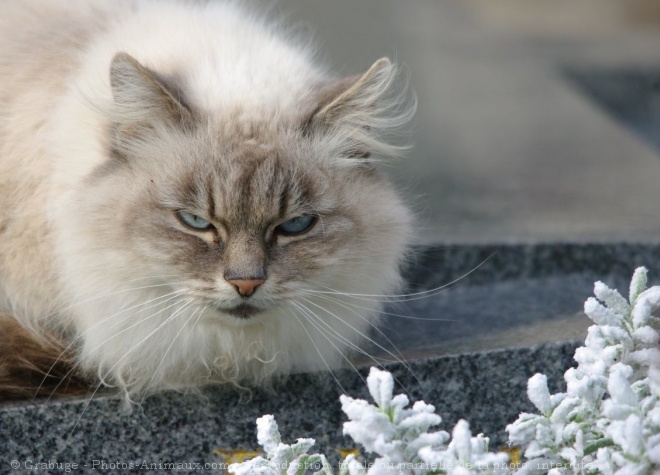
246, 211
235, 243
227, 209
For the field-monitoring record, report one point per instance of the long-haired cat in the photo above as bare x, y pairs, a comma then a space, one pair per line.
186, 196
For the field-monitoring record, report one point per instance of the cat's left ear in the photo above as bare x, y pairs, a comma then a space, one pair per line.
142, 99
365, 111
354, 94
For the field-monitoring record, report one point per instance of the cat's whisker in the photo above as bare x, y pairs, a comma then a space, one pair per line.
382, 312
328, 328
316, 322
146, 390
375, 361
383, 298
98, 296
348, 306
102, 378
362, 334
398, 358
365, 336
82, 357
319, 352
192, 327
139, 322
399, 297
171, 296
339, 336
330, 331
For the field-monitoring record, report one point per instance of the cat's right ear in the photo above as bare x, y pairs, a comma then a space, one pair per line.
142, 99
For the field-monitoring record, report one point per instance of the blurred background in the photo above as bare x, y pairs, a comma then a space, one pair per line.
538, 121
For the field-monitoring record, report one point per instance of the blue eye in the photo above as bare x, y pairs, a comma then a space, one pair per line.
297, 225
193, 221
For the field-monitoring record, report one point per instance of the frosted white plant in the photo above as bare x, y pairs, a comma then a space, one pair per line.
608, 420
398, 434
281, 459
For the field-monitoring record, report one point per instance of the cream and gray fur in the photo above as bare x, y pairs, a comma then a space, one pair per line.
114, 116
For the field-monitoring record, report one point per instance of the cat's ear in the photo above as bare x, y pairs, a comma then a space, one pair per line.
142, 98
365, 110
353, 94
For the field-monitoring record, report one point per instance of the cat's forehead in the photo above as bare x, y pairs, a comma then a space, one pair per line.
251, 126
248, 172
250, 152
256, 179
258, 143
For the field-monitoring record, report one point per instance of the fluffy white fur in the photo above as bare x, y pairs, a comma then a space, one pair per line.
69, 264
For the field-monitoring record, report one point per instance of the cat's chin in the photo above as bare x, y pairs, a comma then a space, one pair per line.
244, 311
241, 314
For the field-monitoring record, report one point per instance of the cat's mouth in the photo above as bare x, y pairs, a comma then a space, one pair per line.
242, 311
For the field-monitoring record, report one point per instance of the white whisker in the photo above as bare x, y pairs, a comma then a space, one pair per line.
103, 295
102, 379
81, 335
370, 340
382, 312
81, 358
319, 352
312, 317
399, 297
146, 390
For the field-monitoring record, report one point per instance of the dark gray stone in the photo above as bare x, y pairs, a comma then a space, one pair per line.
488, 290
519, 287
487, 388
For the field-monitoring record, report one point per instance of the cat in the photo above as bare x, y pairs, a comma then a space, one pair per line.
187, 196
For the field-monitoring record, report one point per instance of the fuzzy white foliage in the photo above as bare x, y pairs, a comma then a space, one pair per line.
281, 459
401, 439
399, 435
608, 420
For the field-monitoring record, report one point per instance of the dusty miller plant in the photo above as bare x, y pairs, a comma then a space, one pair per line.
607, 421
398, 434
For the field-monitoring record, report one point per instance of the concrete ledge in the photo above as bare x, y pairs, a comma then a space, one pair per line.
519, 287
507, 295
486, 388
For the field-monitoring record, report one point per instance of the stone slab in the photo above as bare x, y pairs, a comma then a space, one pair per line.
486, 388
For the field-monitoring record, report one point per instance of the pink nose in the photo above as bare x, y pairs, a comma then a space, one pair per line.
246, 287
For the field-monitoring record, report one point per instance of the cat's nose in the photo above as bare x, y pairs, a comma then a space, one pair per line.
246, 287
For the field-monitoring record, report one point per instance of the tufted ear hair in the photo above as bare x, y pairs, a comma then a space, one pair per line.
142, 100
355, 95
366, 110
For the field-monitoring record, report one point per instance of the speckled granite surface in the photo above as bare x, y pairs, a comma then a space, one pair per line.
519, 287
487, 389
497, 289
